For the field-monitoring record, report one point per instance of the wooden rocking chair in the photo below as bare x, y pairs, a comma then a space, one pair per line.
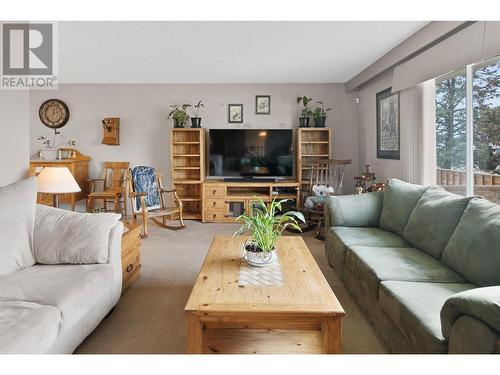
326, 172
147, 199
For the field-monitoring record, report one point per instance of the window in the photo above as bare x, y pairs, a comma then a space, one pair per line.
468, 152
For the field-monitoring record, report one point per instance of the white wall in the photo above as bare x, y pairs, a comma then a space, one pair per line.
144, 129
14, 127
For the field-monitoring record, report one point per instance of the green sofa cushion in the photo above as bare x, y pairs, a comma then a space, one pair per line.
414, 307
400, 198
434, 219
375, 264
481, 303
358, 210
474, 248
339, 239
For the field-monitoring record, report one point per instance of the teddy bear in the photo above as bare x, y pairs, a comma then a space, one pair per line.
318, 199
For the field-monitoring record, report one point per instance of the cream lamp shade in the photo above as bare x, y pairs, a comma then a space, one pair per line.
57, 180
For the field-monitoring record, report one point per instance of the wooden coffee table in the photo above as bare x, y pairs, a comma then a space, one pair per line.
300, 316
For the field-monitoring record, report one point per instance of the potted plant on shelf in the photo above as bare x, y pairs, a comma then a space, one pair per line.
319, 115
195, 111
266, 224
305, 112
179, 115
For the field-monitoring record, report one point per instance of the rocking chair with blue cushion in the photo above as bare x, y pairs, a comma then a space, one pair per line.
147, 199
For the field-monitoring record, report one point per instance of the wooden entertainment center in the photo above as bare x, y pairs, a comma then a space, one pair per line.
219, 201
225, 201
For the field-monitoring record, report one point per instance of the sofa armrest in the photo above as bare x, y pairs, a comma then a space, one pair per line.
115, 259
358, 210
480, 303
115, 244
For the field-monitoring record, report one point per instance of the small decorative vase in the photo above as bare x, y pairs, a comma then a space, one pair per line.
47, 154
319, 122
303, 122
178, 124
258, 258
196, 122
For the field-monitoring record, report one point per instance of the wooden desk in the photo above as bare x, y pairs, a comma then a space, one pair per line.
79, 168
301, 316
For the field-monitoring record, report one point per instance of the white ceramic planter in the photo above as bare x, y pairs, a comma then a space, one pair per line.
260, 259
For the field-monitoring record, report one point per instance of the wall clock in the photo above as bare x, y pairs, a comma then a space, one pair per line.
54, 113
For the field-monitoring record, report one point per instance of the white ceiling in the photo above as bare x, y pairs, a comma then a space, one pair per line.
223, 52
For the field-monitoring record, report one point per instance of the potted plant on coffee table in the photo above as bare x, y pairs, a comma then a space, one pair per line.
265, 225
179, 115
319, 115
195, 111
305, 111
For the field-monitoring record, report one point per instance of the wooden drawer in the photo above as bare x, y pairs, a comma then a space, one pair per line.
131, 256
215, 191
214, 204
214, 216
130, 266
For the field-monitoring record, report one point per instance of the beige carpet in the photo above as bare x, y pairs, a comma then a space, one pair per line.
149, 317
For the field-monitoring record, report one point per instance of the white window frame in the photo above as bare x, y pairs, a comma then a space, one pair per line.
469, 105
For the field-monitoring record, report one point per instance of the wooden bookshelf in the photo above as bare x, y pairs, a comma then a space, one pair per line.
313, 145
187, 159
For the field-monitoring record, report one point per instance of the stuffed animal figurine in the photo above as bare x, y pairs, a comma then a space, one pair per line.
319, 198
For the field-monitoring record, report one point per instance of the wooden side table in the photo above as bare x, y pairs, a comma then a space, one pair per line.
131, 255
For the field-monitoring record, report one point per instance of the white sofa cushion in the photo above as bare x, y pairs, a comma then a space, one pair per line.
66, 237
73, 289
17, 215
27, 327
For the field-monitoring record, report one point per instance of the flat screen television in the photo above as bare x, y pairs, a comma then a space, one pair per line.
250, 153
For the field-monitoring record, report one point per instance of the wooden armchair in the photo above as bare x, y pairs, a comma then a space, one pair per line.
147, 198
114, 186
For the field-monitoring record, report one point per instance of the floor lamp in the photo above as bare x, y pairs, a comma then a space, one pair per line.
55, 181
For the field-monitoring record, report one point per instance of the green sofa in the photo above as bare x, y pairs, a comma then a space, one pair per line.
422, 263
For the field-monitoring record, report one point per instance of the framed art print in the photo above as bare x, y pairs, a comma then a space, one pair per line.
262, 104
235, 113
388, 138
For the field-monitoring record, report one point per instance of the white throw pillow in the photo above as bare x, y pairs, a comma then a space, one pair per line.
66, 237
17, 215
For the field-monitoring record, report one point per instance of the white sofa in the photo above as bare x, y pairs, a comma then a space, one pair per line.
52, 307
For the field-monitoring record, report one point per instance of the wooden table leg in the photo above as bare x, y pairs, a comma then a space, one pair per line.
332, 335
194, 338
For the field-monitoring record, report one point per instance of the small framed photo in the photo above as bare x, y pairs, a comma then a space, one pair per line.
235, 113
262, 104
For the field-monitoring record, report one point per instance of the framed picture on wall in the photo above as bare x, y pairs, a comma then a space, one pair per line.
235, 113
262, 104
388, 139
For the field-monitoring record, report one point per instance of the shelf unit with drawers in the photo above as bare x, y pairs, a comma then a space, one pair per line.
224, 201
187, 157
